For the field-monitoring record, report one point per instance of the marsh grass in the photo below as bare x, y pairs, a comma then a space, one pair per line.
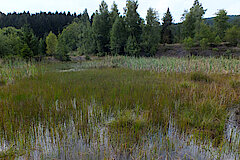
113, 110
168, 64
11, 71
200, 77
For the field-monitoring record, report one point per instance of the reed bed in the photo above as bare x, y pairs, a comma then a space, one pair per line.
169, 64
118, 113
11, 71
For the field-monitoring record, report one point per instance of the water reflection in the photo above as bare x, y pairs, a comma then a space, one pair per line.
84, 137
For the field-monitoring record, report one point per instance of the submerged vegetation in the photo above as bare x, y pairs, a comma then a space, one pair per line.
104, 109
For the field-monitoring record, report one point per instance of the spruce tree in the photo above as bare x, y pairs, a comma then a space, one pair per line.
166, 34
133, 23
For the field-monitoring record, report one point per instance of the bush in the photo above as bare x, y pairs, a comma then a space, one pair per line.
188, 43
217, 40
200, 77
88, 58
204, 43
215, 49
228, 53
233, 35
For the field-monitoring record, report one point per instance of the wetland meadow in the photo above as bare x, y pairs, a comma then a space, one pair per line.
121, 108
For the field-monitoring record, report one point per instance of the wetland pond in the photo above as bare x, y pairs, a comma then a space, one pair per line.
114, 113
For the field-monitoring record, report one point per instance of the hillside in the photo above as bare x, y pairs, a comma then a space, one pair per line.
233, 19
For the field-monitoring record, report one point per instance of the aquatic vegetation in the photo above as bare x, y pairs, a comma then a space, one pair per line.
200, 77
115, 113
167, 64
15, 70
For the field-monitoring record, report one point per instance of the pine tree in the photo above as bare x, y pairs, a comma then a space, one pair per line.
166, 34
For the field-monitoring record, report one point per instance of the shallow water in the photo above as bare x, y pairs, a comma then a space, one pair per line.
96, 141
86, 133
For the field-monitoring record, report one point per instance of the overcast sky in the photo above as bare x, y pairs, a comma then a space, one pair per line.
177, 7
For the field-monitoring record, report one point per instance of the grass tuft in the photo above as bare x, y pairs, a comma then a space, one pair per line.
200, 77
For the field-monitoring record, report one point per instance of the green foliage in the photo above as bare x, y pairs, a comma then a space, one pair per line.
30, 39
188, 43
68, 41
132, 47
166, 34
204, 32
4, 49
133, 20
233, 35
150, 37
221, 23
26, 52
88, 58
51, 42
193, 19
114, 14
69, 37
42, 46
118, 36
215, 49
86, 42
10, 42
204, 43
101, 28
217, 40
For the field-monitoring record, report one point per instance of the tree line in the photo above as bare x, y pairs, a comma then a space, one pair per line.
107, 32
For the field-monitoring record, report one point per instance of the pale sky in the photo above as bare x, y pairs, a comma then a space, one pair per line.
177, 7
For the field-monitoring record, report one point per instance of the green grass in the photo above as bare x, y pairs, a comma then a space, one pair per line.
169, 64
139, 102
117, 102
11, 71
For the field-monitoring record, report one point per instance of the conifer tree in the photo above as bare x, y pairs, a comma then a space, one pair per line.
151, 33
221, 23
118, 36
114, 14
101, 28
193, 19
133, 23
166, 34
